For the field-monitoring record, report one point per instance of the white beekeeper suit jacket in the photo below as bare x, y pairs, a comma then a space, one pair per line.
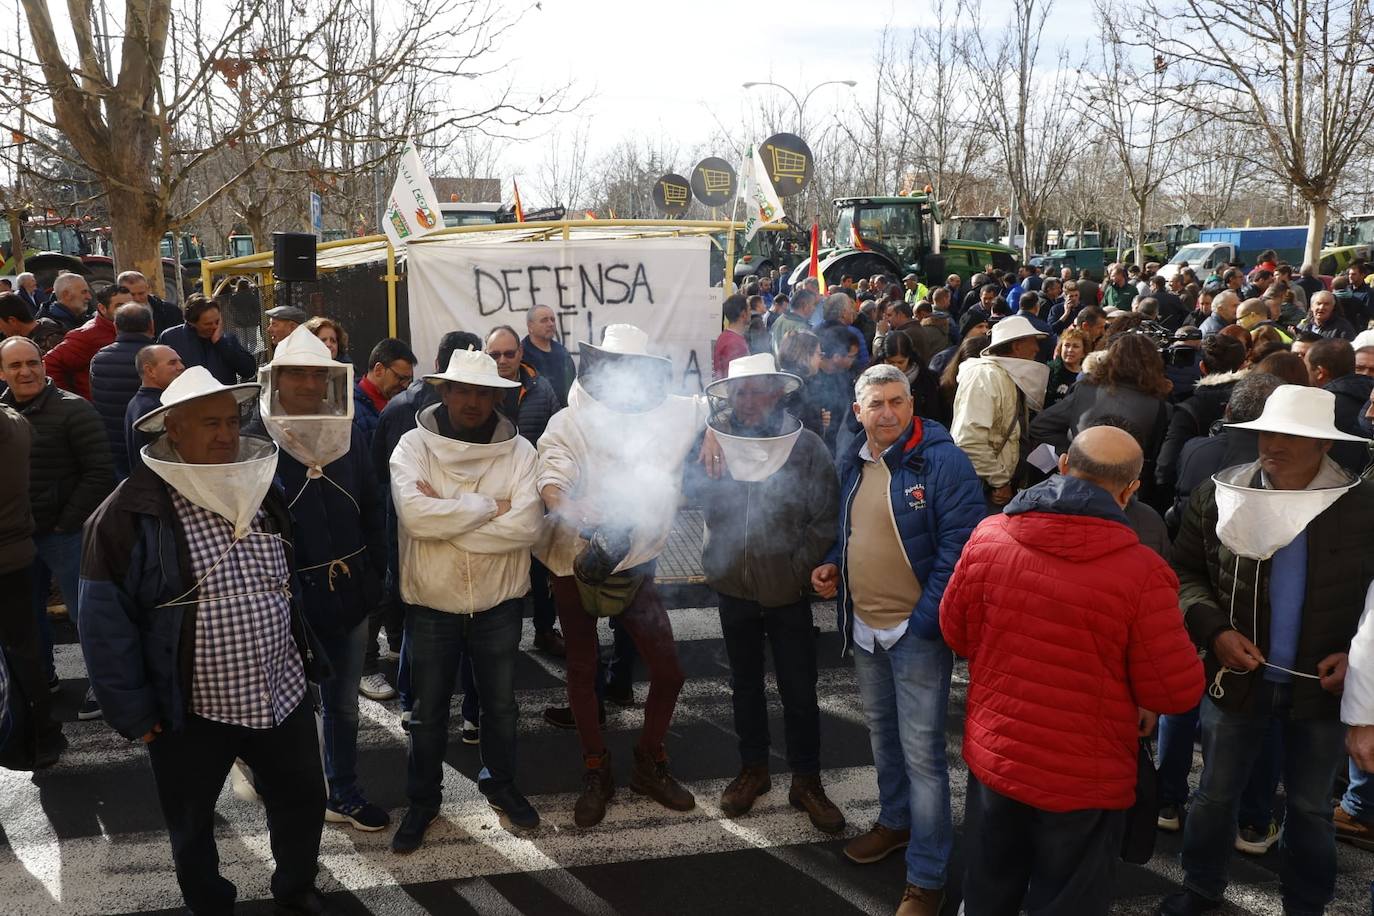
628, 467
456, 554
1357, 700
985, 425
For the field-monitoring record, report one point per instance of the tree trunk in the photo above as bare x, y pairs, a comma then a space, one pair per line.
1140, 206
1032, 226
1316, 229
138, 222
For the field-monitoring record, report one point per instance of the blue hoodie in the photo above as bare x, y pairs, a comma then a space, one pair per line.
937, 500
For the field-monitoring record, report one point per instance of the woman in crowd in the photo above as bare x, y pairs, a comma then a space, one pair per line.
1066, 364
1129, 383
968, 349
333, 335
897, 350
800, 354
202, 341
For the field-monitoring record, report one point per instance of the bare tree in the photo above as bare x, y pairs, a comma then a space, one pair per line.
561, 176
1028, 107
1298, 75
294, 87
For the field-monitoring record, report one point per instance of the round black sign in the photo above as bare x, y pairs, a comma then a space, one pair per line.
714, 182
672, 193
789, 163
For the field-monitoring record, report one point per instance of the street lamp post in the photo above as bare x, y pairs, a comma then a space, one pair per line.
801, 103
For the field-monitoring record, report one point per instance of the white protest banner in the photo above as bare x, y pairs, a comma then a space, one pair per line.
661, 286
412, 210
761, 203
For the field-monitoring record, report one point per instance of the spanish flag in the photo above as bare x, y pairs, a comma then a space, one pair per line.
589, 214
519, 210
857, 239
815, 270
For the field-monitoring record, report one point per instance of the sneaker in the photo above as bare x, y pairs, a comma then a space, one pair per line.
389, 653
358, 812
1255, 842
875, 845
471, 734
562, 716
375, 687
515, 807
90, 707
411, 834
1170, 818
1356, 833
405, 720
550, 641
241, 781
1186, 903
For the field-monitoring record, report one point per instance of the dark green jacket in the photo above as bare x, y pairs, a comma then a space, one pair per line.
1339, 568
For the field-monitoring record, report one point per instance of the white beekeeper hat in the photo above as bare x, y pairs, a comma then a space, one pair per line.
1009, 329
471, 367
1299, 410
195, 382
759, 365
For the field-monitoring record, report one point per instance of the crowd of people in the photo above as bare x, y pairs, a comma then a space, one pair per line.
1132, 507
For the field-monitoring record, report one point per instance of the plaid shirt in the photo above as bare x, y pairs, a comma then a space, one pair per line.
247, 669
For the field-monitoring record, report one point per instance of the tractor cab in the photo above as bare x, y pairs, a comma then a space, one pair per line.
902, 228
987, 229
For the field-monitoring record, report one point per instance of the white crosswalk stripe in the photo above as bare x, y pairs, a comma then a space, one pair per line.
103, 870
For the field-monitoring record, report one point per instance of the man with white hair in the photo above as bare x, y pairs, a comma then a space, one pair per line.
165, 314
1224, 306
909, 498
194, 639
26, 288
71, 302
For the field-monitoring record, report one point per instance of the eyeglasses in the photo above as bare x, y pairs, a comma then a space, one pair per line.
403, 379
503, 354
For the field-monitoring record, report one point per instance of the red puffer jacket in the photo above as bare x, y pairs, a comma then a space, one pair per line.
69, 363
1068, 624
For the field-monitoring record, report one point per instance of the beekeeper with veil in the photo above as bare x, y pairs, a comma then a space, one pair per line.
194, 641
770, 519
325, 469
1273, 560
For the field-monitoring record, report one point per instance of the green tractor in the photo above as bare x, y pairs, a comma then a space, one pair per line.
897, 236
1354, 242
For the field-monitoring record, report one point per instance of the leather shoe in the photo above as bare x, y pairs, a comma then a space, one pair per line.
562, 716
650, 777
739, 796
875, 845
1356, 833
920, 901
410, 835
807, 794
1186, 903
598, 788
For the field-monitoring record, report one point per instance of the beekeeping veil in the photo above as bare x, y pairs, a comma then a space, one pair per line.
307, 401
233, 491
759, 456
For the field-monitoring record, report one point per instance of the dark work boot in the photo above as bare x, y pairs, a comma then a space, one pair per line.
598, 787
739, 796
807, 794
651, 777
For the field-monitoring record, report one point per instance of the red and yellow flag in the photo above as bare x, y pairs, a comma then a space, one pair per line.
519, 210
857, 239
589, 214
815, 270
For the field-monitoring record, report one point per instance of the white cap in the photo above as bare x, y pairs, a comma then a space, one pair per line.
195, 382
1300, 410
471, 367
1009, 329
302, 348
759, 365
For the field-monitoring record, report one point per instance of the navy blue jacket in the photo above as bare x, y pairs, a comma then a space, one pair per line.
937, 501
114, 382
335, 519
144, 400
227, 360
54, 310
140, 657
556, 366
365, 413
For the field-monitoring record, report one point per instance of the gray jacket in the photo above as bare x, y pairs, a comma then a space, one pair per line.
764, 538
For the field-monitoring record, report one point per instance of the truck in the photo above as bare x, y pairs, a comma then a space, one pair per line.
900, 235
1215, 248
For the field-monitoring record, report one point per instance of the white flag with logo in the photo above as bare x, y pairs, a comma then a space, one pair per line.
761, 203
412, 210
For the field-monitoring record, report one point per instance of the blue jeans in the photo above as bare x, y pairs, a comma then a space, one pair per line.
1176, 734
1358, 800
339, 697
437, 642
59, 557
1314, 750
905, 692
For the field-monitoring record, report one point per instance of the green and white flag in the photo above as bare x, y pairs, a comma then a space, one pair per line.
412, 210
761, 202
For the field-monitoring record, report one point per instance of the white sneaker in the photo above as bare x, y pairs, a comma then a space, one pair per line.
241, 781
375, 687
